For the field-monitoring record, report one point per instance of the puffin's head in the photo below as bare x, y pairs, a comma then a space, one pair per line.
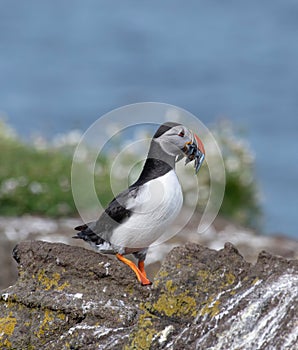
177, 140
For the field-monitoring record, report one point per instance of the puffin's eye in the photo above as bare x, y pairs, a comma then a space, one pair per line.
181, 133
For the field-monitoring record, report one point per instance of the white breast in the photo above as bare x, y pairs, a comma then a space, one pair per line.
156, 206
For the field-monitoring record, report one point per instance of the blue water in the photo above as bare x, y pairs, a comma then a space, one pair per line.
65, 63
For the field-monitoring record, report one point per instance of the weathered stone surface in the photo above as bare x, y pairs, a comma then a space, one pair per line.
69, 298
206, 299
72, 298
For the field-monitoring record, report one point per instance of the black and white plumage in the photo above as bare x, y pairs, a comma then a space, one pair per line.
138, 216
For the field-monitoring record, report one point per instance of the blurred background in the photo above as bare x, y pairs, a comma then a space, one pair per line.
63, 64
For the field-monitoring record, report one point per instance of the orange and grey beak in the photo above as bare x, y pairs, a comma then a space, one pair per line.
194, 150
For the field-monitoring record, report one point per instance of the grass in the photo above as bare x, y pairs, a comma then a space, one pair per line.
36, 180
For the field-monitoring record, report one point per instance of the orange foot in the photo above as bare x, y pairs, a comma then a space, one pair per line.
139, 271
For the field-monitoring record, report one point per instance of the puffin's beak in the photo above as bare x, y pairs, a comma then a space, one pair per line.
194, 150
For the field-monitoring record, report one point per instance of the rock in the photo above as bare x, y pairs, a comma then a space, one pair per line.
67, 297
215, 300
248, 242
72, 298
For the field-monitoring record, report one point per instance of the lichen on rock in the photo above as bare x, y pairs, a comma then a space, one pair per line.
73, 298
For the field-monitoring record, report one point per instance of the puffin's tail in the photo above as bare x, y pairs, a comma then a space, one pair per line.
87, 234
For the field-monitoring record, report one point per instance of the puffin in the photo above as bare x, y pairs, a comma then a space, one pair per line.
138, 216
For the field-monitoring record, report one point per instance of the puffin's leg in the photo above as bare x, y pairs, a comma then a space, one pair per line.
141, 266
141, 256
140, 276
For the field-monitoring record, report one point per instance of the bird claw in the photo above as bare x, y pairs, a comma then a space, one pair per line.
147, 283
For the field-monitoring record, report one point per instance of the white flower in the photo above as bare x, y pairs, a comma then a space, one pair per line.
9, 185
36, 187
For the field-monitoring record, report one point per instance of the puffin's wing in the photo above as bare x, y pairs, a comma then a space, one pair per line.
120, 208
118, 211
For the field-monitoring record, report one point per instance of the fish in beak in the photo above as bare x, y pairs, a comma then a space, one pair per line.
194, 150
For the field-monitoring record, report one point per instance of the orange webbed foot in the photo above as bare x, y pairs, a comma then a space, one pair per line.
138, 270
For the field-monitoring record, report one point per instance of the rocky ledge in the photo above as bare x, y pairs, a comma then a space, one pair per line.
72, 298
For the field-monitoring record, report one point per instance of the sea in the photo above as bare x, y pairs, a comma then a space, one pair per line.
64, 63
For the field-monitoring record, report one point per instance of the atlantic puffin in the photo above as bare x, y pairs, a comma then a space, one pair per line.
138, 216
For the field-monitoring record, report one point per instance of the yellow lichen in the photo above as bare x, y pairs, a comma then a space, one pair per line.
63, 286
142, 339
61, 316
211, 308
5, 343
156, 282
229, 279
130, 290
7, 326
51, 282
170, 287
49, 323
203, 274
163, 274
205, 277
255, 280
158, 278
46, 323
67, 345
31, 347
175, 305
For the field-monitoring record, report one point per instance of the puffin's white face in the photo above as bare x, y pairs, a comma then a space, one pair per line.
180, 141
173, 141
